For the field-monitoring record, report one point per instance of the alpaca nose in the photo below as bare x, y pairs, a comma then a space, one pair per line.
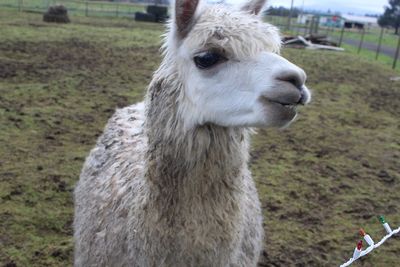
294, 75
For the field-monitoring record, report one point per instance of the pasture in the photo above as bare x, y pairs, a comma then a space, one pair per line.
371, 33
77, 7
331, 172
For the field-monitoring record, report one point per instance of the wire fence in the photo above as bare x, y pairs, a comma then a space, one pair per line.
78, 8
372, 42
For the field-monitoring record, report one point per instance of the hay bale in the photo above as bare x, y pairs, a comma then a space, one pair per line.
157, 10
57, 13
140, 16
160, 12
154, 14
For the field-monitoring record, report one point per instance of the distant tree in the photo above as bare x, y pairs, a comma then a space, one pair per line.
391, 17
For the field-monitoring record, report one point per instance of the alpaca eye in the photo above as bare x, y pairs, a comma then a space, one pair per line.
207, 59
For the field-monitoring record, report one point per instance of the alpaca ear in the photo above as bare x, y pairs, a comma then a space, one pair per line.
253, 6
184, 15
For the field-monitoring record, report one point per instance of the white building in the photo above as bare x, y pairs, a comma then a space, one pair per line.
351, 21
332, 20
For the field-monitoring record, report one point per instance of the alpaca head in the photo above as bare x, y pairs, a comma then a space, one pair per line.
230, 69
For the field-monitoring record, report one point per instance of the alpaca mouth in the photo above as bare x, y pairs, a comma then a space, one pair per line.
279, 112
292, 106
286, 105
291, 100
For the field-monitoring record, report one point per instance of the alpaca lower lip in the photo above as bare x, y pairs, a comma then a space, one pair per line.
286, 105
279, 113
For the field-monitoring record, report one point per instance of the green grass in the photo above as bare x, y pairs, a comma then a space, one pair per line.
321, 179
370, 55
77, 7
371, 36
364, 53
59, 83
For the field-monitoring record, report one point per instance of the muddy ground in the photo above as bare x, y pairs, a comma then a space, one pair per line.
331, 172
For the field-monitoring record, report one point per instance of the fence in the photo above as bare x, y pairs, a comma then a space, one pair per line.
76, 7
375, 43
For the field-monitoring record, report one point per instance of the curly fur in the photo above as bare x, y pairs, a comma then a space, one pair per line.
161, 189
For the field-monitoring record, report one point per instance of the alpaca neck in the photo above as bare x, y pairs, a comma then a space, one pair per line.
205, 154
185, 164
197, 176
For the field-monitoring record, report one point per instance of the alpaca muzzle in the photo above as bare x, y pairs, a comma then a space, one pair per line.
287, 86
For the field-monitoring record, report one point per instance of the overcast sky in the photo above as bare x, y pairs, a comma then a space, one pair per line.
355, 6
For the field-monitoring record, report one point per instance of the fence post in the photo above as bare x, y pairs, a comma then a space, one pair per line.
317, 25
290, 16
397, 54
116, 10
378, 50
361, 41
86, 8
341, 36
311, 25
305, 28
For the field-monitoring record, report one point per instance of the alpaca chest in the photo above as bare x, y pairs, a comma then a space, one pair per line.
193, 235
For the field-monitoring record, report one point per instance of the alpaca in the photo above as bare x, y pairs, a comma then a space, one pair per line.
168, 182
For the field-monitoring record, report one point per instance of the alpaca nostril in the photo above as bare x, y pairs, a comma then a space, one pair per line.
295, 77
303, 97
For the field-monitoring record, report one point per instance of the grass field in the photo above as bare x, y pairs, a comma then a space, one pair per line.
331, 172
389, 39
370, 55
365, 53
77, 7
371, 35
